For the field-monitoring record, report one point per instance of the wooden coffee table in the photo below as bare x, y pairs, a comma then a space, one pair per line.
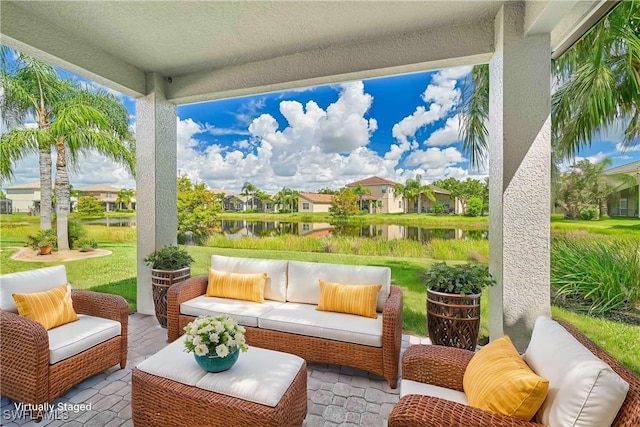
264, 388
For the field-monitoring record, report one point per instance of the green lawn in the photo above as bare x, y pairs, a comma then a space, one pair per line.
605, 226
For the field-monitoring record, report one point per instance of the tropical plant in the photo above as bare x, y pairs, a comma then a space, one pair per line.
70, 119
412, 191
360, 191
248, 191
599, 84
169, 258
90, 206
87, 244
197, 209
474, 206
438, 208
344, 204
125, 196
42, 238
460, 279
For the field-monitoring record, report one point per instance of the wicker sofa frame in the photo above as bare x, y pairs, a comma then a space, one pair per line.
25, 373
381, 361
445, 366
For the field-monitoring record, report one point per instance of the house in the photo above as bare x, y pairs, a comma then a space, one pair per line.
625, 200
382, 198
235, 203
25, 197
107, 195
168, 61
314, 202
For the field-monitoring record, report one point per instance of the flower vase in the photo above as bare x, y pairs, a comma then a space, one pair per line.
215, 363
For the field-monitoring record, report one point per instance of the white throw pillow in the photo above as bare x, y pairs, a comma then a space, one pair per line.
583, 390
26, 282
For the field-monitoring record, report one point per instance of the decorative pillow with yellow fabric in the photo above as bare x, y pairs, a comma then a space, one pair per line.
248, 287
498, 380
350, 299
50, 308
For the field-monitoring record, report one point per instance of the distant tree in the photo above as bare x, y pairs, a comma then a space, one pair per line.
90, 206
344, 204
412, 191
2, 195
125, 196
422, 190
248, 190
283, 198
464, 190
326, 190
360, 191
474, 206
197, 209
263, 197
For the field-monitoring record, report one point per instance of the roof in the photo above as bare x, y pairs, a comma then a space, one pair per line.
439, 190
317, 198
371, 181
632, 168
101, 188
28, 186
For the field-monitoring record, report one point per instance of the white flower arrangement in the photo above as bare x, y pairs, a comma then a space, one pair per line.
219, 335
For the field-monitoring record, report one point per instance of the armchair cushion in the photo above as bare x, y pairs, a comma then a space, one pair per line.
351, 299
246, 313
584, 390
50, 308
415, 387
498, 380
248, 287
73, 338
276, 286
38, 280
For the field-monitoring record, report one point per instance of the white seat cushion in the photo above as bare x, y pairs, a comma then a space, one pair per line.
583, 390
276, 287
304, 319
304, 280
39, 280
414, 387
75, 337
247, 379
245, 312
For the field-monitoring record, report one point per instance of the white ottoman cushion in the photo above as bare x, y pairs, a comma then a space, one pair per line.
276, 287
75, 337
245, 312
415, 387
583, 390
261, 376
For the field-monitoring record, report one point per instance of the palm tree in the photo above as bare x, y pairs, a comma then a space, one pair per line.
282, 198
360, 191
248, 190
599, 80
70, 119
124, 197
421, 190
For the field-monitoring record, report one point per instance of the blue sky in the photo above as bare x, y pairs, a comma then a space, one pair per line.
324, 136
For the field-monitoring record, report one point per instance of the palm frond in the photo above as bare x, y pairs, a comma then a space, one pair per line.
475, 114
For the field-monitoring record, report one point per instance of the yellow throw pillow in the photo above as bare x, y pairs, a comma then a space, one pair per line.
497, 379
50, 308
249, 287
350, 299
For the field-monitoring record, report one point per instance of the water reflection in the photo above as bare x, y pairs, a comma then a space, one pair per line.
235, 229
111, 222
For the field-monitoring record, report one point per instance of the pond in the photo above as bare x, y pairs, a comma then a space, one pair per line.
112, 222
235, 229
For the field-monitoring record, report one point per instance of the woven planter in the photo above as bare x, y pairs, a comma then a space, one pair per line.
453, 320
161, 281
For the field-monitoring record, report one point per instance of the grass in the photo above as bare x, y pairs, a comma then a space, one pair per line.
611, 226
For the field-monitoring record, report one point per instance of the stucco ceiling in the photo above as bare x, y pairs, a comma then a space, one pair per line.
215, 49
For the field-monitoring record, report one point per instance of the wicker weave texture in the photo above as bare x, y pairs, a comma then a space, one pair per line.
381, 361
161, 281
158, 401
176, 295
453, 320
25, 373
445, 366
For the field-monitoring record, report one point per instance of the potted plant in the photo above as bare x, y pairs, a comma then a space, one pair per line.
453, 303
169, 265
215, 342
44, 241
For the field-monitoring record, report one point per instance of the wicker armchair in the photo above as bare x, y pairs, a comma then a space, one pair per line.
445, 367
26, 374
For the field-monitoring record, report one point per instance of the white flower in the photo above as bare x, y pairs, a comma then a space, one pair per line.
214, 338
201, 350
197, 340
219, 328
231, 343
222, 350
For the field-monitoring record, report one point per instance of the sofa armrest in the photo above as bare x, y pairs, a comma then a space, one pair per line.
392, 334
24, 358
98, 304
436, 365
421, 411
176, 295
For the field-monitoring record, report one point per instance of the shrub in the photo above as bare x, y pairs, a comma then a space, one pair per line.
604, 273
474, 206
169, 258
90, 206
42, 238
589, 214
438, 208
75, 232
86, 244
458, 278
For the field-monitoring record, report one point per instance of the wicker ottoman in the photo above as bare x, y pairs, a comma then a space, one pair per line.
264, 388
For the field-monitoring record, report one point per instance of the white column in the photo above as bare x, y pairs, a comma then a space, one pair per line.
156, 186
519, 190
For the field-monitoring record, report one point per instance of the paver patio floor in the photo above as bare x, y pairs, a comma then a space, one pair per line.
337, 395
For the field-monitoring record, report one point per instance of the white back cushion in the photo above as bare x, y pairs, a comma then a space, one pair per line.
583, 390
26, 282
276, 286
304, 280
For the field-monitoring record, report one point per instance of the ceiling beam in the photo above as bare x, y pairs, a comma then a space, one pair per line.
412, 52
37, 37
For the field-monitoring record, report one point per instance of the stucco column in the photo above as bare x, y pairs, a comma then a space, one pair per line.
519, 177
156, 186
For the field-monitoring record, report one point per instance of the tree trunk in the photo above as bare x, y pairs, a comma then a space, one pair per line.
45, 188
604, 208
62, 195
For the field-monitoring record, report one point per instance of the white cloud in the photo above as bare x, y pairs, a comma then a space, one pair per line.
596, 158
620, 147
435, 158
446, 135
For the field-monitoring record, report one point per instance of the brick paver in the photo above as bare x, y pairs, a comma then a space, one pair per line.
338, 395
